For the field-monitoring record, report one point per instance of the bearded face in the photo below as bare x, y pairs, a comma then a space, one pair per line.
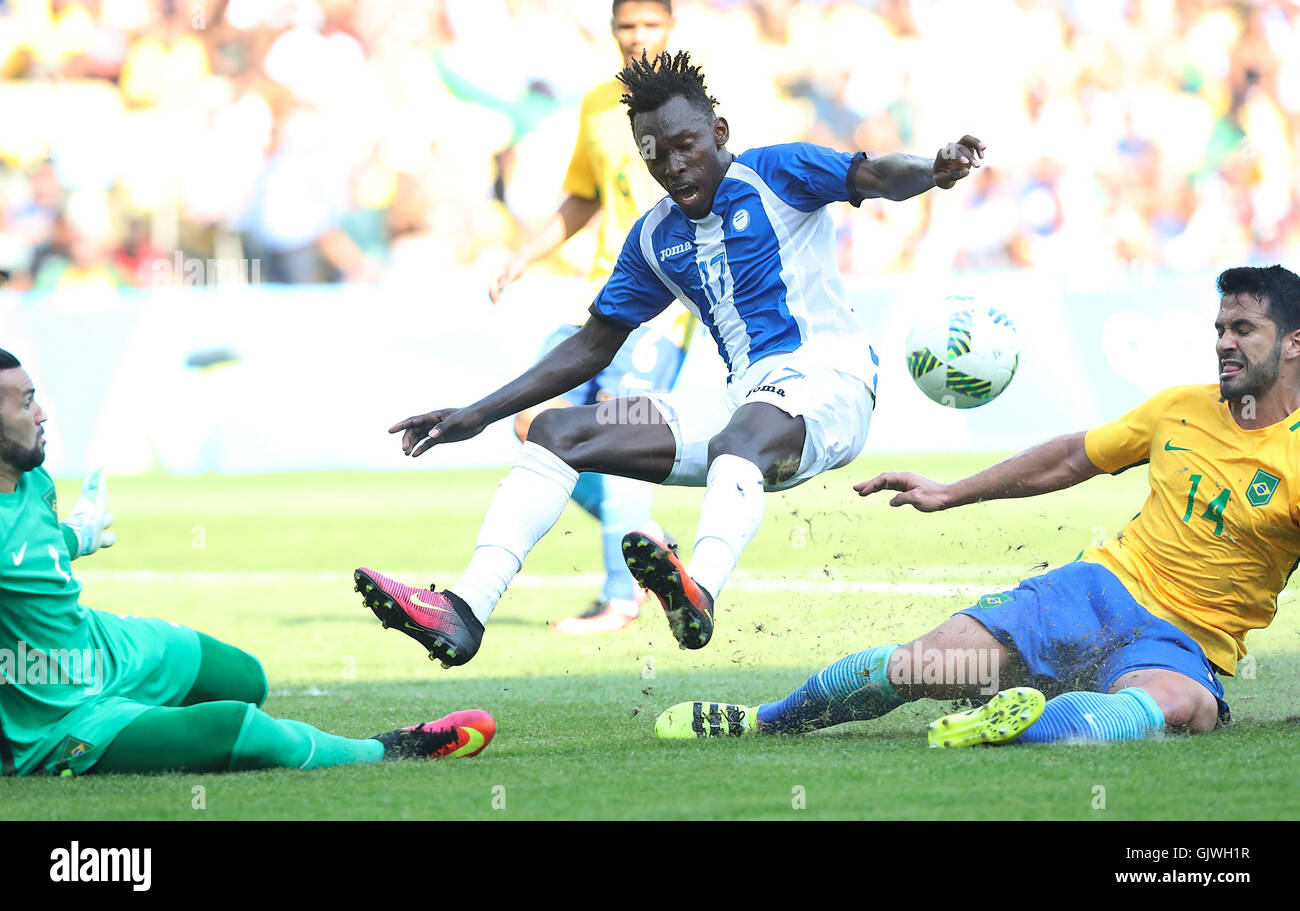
22, 438
1249, 347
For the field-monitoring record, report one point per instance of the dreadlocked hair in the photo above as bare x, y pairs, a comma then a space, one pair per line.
652, 83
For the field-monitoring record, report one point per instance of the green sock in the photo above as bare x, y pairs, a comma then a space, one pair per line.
265, 743
195, 738
227, 736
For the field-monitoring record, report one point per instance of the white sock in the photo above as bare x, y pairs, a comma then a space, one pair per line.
527, 503
729, 518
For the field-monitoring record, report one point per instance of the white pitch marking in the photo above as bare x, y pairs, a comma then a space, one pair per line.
745, 582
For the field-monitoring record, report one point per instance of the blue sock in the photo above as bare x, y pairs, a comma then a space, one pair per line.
624, 506
1130, 714
589, 492
855, 688
620, 505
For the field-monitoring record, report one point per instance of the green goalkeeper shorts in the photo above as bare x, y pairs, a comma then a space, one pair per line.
162, 667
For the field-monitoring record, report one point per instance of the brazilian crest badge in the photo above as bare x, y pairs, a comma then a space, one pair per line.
1261, 488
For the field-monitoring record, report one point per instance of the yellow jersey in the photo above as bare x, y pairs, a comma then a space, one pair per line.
1219, 535
607, 166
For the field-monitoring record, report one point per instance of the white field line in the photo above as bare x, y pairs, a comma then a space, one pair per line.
742, 582
999, 578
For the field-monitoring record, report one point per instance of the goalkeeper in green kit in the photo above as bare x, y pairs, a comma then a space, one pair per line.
83, 690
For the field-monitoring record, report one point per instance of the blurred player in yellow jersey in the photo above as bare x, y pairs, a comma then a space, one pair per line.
1131, 638
608, 182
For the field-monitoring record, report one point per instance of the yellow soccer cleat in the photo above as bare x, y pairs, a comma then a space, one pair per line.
697, 720
1000, 720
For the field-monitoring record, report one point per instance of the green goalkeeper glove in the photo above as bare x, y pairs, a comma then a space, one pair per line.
90, 517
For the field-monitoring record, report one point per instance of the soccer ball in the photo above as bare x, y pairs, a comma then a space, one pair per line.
963, 354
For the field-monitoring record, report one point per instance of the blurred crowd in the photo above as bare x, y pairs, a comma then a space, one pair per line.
377, 140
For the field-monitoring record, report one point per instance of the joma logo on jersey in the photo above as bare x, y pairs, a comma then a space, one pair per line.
1261, 488
675, 250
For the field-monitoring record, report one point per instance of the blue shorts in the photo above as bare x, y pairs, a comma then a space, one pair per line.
647, 362
1078, 628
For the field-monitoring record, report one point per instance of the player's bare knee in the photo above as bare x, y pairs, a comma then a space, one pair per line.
1204, 722
544, 430
940, 668
725, 443
556, 431
1187, 708
573, 436
1205, 712
775, 466
957, 659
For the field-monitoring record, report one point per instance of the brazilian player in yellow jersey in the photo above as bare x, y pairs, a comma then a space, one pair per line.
82, 690
1132, 637
608, 185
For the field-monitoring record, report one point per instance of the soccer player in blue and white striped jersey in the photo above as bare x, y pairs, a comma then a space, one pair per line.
745, 243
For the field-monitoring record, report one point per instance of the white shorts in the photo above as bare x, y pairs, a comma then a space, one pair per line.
835, 405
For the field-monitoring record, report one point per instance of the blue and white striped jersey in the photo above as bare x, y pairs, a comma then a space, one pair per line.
760, 270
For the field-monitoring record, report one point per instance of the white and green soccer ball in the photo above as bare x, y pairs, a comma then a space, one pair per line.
963, 354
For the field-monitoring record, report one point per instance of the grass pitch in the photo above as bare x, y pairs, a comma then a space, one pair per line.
265, 562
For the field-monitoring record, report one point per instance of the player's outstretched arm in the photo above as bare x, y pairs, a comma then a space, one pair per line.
569, 364
897, 176
574, 214
1054, 465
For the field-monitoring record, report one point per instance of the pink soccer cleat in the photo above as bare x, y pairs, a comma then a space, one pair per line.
440, 621
459, 735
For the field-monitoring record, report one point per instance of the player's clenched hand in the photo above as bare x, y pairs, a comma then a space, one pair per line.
924, 494
955, 161
447, 425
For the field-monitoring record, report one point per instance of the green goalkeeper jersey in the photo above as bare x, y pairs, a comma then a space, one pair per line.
56, 656
40, 620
